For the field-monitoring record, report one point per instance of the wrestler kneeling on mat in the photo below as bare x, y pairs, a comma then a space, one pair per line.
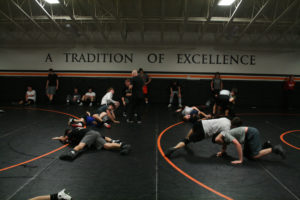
83, 138
248, 136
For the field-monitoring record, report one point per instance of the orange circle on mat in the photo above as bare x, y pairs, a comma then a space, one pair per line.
46, 154
284, 141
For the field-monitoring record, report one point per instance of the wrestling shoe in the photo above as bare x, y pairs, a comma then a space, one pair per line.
170, 105
180, 106
81, 104
267, 144
116, 141
277, 149
139, 122
129, 121
63, 195
71, 155
107, 125
91, 104
125, 149
170, 151
70, 121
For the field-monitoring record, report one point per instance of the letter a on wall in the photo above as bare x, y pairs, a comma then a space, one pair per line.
48, 58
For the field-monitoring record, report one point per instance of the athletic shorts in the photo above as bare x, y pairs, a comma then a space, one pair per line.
90, 120
198, 132
223, 101
194, 112
252, 144
51, 90
93, 138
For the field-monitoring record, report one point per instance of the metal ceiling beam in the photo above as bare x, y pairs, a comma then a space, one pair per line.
211, 8
49, 16
185, 17
190, 20
231, 18
268, 29
122, 24
140, 16
31, 19
16, 24
69, 12
264, 6
162, 16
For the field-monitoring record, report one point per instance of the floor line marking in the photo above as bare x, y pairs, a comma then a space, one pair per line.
46, 154
279, 182
30, 180
180, 170
284, 141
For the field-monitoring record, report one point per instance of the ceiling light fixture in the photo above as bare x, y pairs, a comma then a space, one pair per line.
52, 1
225, 2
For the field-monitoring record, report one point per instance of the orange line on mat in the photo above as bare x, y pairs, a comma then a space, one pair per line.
284, 141
46, 154
180, 170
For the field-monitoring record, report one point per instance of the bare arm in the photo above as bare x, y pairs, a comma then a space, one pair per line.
211, 85
47, 83
223, 150
238, 147
179, 91
61, 138
149, 80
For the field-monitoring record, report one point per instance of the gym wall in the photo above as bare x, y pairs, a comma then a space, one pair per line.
257, 73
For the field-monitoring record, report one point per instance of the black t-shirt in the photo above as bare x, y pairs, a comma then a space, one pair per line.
174, 87
137, 88
52, 79
126, 90
76, 136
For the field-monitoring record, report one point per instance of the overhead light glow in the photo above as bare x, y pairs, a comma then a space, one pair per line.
52, 1
226, 2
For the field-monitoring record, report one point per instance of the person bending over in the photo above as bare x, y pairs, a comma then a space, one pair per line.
30, 97
62, 195
193, 112
175, 89
90, 97
109, 110
249, 136
74, 98
225, 102
107, 98
82, 138
203, 129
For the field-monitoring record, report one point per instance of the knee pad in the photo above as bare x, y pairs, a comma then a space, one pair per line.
185, 141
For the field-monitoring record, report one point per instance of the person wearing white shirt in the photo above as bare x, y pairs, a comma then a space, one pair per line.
108, 98
203, 129
90, 96
30, 97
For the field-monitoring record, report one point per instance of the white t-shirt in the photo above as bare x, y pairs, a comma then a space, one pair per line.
213, 126
225, 92
187, 110
91, 94
107, 98
31, 95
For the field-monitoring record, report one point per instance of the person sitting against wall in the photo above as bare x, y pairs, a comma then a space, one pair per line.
107, 98
89, 97
30, 97
225, 102
74, 98
175, 89
289, 87
126, 96
146, 80
51, 85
